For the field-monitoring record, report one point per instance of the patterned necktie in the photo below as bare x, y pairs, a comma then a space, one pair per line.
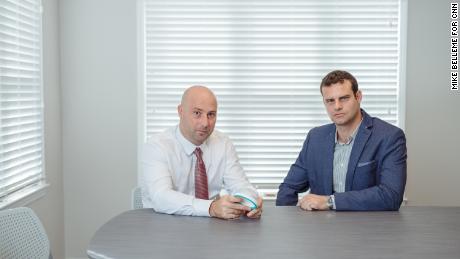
201, 180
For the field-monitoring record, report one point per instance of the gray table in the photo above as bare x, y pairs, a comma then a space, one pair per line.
283, 232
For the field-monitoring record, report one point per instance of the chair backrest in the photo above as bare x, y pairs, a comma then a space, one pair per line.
22, 235
137, 198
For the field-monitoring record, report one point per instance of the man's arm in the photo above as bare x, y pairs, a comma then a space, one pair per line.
389, 191
235, 179
157, 183
296, 181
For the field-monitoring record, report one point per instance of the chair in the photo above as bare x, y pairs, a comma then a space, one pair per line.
137, 198
22, 235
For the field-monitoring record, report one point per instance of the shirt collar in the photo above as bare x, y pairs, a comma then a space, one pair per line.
350, 138
188, 146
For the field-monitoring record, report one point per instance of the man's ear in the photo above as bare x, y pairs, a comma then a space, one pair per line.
359, 96
180, 110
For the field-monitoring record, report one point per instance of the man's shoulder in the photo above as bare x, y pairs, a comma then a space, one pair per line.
163, 138
217, 136
323, 130
384, 128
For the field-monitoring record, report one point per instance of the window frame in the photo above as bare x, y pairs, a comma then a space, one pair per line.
401, 74
30, 193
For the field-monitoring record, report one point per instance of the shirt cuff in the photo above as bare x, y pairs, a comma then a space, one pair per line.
201, 207
333, 202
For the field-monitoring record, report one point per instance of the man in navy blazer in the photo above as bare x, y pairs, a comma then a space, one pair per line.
356, 163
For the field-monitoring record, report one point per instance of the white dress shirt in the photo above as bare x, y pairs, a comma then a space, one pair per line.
168, 172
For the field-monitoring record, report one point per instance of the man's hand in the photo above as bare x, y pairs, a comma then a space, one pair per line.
314, 202
253, 214
227, 207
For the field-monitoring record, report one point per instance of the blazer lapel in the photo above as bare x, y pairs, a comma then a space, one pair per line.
329, 162
364, 132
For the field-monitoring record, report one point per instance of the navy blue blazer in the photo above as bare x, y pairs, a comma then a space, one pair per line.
376, 175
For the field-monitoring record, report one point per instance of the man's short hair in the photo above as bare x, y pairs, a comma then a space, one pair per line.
339, 76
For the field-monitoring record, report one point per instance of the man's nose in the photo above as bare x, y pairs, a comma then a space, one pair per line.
204, 121
337, 105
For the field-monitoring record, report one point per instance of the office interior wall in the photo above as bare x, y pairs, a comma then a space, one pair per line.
49, 208
432, 111
99, 91
98, 64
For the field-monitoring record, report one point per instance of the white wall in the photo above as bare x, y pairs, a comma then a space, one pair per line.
98, 71
432, 114
50, 208
98, 65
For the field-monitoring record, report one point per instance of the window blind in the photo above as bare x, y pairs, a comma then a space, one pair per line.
265, 60
21, 108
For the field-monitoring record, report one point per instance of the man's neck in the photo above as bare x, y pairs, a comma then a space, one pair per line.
345, 131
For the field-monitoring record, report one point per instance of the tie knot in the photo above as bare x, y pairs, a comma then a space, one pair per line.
198, 152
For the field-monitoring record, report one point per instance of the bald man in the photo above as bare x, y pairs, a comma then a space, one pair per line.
175, 161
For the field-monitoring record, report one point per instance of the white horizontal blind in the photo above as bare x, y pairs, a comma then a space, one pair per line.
21, 136
265, 59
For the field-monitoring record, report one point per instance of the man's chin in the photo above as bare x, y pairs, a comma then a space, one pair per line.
201, 137
340, 122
